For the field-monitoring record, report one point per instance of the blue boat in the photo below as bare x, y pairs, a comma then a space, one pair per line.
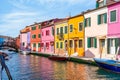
108, 64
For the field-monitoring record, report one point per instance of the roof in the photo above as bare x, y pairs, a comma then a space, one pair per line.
111, 2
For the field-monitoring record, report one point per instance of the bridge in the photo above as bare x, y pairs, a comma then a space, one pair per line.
9, 45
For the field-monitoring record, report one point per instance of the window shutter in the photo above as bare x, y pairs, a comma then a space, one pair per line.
95, 42
89, 21
108, 46
99, 22
105, 18
88, 42
97, 4
84, 22
116, 43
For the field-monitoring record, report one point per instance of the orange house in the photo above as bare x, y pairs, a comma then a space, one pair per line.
35, 37
18, 41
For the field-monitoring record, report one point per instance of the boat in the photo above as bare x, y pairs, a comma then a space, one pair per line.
25, 52
108, 64
58, 58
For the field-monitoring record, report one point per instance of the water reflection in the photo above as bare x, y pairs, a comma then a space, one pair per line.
31, 67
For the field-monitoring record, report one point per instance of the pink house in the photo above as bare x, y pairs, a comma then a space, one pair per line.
113, 27
47, 36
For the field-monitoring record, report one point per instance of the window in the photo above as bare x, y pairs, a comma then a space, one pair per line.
39, 26
34, 36
39, 35
57, 31
92, 42
47, 44
38, 44
87, 22
42, 44
80, 26
66, 30
52, 31
57, 45
80, 43
71, 28
34, 45
113, 16
101, 3
34, 28
23, 44
102, 18
71, 44
61, 30
42, 33
61, 45
47, 32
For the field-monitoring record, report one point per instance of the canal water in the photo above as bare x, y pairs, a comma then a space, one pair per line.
29, 67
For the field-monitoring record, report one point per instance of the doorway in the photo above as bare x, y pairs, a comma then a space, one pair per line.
75, 46
102, 45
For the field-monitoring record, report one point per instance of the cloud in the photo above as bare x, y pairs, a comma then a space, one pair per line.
26, 12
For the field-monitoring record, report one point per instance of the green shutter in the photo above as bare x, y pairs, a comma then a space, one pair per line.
95, 42
57, 45
108, 46
65, 29
38, 44
84, 22
89, 21
116, 43
61, 45
97, 4
99, 21
88, 42
52, 31
57, 31
105, 18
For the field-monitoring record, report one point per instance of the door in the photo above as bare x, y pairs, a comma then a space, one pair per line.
112, 46
36, 47
66, 46
102, 45
75, 46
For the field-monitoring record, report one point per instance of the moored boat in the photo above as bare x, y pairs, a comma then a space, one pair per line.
58, 58
25, 52
108, 64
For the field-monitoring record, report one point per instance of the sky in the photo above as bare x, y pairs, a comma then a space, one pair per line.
17, 14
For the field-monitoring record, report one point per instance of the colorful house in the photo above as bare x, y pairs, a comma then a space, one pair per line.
47, 36
18, 42
95, 24
76, 35
35, 38
61, 37
113, 27
25, 38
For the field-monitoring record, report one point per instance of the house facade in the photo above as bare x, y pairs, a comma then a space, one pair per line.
113, 28
76, 35
95, 24
18, 42
23, 39
61, 37
47, 36
35, 37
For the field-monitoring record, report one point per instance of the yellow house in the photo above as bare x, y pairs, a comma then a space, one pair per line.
61, 37
76, 35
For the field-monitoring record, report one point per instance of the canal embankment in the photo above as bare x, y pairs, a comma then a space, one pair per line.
82, 60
